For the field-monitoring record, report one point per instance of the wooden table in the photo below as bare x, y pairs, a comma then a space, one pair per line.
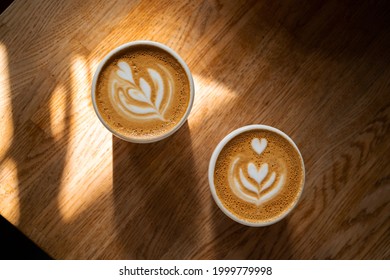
318, 70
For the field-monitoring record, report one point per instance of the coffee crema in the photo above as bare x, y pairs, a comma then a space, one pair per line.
258, 176
142, 92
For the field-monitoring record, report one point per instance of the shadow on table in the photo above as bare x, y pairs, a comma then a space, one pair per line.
40, 87
155, 197
290, 41
235, 241
34, 149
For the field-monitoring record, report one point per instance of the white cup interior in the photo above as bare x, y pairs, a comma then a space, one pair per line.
171, 52
213, 161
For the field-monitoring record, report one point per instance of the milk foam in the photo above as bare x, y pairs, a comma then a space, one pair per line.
258, 191
133, 99
258, 175
142, 92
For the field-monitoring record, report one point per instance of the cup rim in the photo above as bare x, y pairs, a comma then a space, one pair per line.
213, 161
181, 62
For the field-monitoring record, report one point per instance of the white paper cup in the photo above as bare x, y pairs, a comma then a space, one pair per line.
213, 161
190, 81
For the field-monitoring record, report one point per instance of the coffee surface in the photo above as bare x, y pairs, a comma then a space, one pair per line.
258, 176
142, 92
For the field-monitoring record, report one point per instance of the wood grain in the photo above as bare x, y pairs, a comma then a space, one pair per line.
318, 70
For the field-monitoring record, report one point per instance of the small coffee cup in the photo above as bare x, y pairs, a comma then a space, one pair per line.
256, 175
142, 91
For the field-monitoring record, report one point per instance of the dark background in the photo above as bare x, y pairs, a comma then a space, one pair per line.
15, 246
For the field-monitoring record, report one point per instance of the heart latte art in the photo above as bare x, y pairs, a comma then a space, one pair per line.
142, 92
258, 175
251, 183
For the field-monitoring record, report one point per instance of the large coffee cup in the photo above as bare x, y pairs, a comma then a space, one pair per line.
256, 175
142, 91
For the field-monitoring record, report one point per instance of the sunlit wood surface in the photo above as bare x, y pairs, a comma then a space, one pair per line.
318, 70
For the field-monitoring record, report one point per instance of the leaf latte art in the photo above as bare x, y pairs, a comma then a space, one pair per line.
140, 99
252, 184
143, 92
